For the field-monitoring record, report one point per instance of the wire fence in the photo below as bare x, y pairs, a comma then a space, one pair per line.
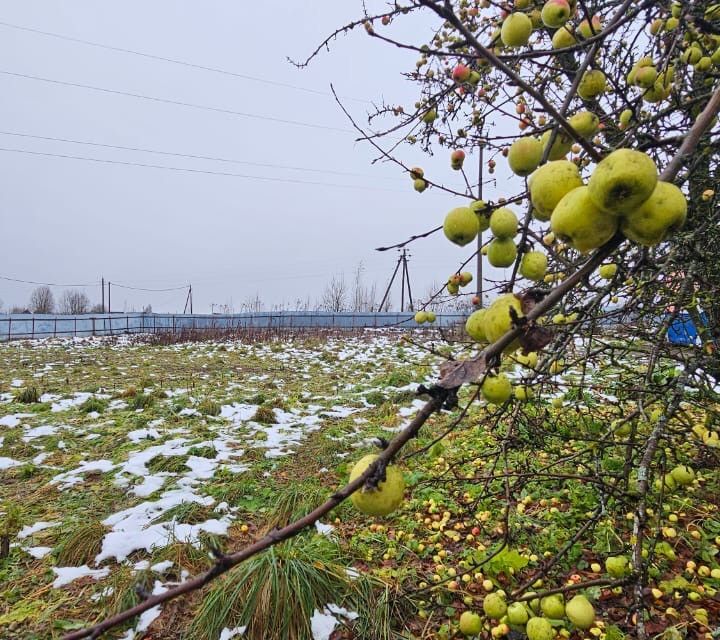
35, 326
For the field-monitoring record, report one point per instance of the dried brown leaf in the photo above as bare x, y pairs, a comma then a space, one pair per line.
462, 372
535, 338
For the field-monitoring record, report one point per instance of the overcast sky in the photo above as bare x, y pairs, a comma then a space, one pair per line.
73, 221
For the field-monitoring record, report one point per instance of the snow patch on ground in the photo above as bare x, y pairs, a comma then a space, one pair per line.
323, 622
77, 399
6, 463
132, 528
238, 412
13, 420
143, 434
66, 575
75, 476
28, 530
39, 432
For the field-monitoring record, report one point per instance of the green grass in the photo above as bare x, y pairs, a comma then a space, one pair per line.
81, 545
264, 414
141, 400
169, 464
93, 405
203, 452
275, 594
28, 395
185, 513
11, 521
295, 501
208, 407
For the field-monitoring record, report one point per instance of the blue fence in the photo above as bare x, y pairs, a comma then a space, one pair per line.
30, 326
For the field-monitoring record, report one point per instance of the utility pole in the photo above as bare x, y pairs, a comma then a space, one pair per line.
109, 311
102, 293
404, 278
188, 300
406, 275
479, 269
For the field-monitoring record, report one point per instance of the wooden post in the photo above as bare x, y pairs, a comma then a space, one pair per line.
479, 269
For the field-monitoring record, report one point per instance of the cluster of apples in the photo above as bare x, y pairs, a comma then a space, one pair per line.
517, 27
535, 617
680, 476
422, 316
418, 177
457, 280
655, 86
490, 324
709, 438
701, 50
525, 154
623, 193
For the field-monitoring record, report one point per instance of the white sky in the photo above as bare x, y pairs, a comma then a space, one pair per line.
70, 221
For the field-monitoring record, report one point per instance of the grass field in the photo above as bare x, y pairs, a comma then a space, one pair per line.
124, 465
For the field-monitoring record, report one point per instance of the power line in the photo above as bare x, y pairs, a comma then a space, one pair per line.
50, 284
123, 286
201, 171
180, 103
183, 63
186, 155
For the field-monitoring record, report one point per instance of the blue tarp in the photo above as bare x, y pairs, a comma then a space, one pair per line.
683, 330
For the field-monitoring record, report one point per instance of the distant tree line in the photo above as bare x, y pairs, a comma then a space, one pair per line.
71, 302
339, 295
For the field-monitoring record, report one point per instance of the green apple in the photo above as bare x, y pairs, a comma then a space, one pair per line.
617, 566
533, 265
589, 29
553, 606
622, 181
539, 629
517, 613
475, 327
586, 123
494, 604
461, 226
555, 13
683, 475
516, 30
502, 252
607, 271
580, 612
503, 223
560, 147
384, 499
480, 208
592, 84
470, 623
420, 185
524, 155
577, 220
563, 37
662, 213
550, 183
499, 318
